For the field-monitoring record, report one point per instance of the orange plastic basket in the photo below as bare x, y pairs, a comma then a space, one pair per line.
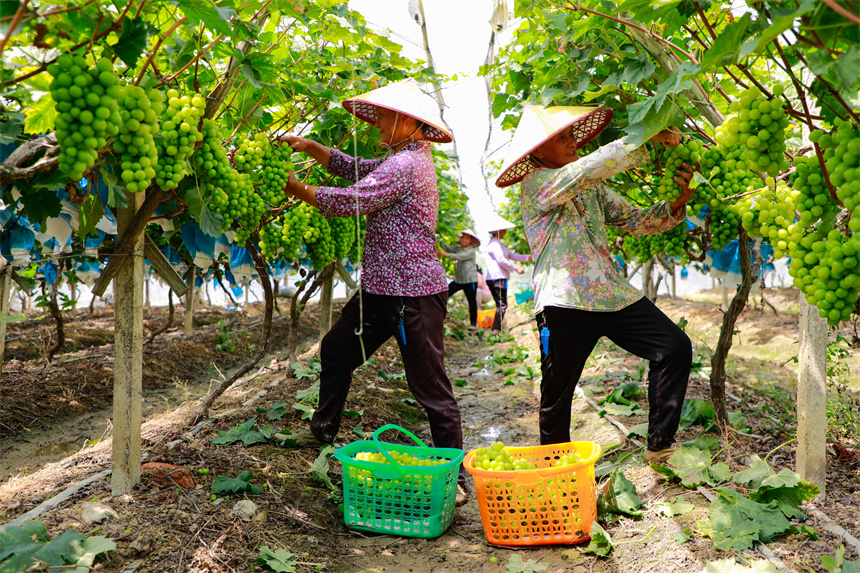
543, 506
485, 317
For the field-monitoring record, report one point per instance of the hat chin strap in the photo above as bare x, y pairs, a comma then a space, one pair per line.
391, 147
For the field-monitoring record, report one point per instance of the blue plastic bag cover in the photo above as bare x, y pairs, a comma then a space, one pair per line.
49, 270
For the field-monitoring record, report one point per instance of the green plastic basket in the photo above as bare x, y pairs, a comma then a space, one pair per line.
415, 501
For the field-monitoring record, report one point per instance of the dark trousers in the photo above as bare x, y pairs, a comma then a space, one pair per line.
641, 329
423, 355
471, 292
499, 289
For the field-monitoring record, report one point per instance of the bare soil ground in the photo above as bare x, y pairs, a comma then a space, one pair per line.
160, 527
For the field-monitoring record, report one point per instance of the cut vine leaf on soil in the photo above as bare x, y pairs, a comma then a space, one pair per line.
731, 566
227, 485
694, 468
675, 506
695, 411
279, 560
618, 497
838, 564
320, 467
21, 548
600, 543
785, 488
618, 409
516, 564
738, 523
245, 433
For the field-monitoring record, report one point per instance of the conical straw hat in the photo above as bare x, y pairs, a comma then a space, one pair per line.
407, 98
471, 233
499, 224
538, 125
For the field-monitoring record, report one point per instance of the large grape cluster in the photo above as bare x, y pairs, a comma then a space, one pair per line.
689, 153
724, 226
138, 155
343, 235
180, 133
294, 226
841, 153
318, 240
770, 215
88, 114
757, 125
498, 459
725, 177
269, 165
402, 458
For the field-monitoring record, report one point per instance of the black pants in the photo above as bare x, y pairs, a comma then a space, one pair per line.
641, 329
471, 292
423, 355
499, 289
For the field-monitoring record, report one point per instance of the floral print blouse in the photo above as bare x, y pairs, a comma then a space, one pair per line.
565, 212
398, 195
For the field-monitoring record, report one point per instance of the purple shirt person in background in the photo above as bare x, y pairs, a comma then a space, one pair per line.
404, 290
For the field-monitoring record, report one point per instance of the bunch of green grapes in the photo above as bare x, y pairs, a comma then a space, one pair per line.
86, 98
825, 268
135, 144
720, 166
689, 153
724, 226
813, 200
318, 240
569, 459
343, 235
269, 164
272, 238
770, 215
496, 458
640, 248
841, 153
402, 458
757, 125
178, 137
672, 243
294, 225
232, 193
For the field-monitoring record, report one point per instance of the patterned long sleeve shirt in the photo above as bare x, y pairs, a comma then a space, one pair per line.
400, 199
466, 267
566, 211
499, 259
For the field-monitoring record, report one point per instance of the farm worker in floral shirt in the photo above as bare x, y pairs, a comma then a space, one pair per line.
579, 295
404, 289
499, 268
465, 270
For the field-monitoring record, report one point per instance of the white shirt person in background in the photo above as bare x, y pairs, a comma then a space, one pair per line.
500, 264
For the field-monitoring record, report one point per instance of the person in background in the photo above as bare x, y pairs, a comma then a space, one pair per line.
404, 289
465, 270
499, 267
566, 205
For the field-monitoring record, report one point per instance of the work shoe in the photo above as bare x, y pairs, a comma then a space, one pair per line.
661, 456
462, 496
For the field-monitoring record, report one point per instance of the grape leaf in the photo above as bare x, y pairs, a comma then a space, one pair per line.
41, 115
708, 443
838, 564
210, 222
132, 40
226, 485
320, 467
517, 565
787, 490
281, 560
683, 536
90, 212
754, 475
306, 409
693, 467
244, 433
695, 411
669, 114
214, 18
675, 506
276, 412
845, 67
18, 544
739, 522
73, 548
39, 203
619, 497
601, 543
116, 193
640, 430
725, 47
618, 409
729, 566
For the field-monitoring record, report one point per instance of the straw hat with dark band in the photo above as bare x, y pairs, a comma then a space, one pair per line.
538, 125
404, 97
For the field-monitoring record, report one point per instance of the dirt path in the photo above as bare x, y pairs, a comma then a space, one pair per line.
162, 528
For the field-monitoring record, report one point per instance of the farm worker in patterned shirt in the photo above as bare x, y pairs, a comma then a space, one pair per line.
404, 289
499, 268
579, 296
465, 270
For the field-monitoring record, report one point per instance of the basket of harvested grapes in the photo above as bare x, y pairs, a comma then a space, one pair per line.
535, 495
399, 489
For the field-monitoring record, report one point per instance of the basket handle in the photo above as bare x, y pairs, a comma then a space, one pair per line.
384, 452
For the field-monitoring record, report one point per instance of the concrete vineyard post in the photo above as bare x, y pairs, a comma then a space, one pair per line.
325, 305
128, 356
189, 301
5, 283
812, 397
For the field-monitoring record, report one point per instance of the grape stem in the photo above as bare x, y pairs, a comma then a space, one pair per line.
16, 19
157, 46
